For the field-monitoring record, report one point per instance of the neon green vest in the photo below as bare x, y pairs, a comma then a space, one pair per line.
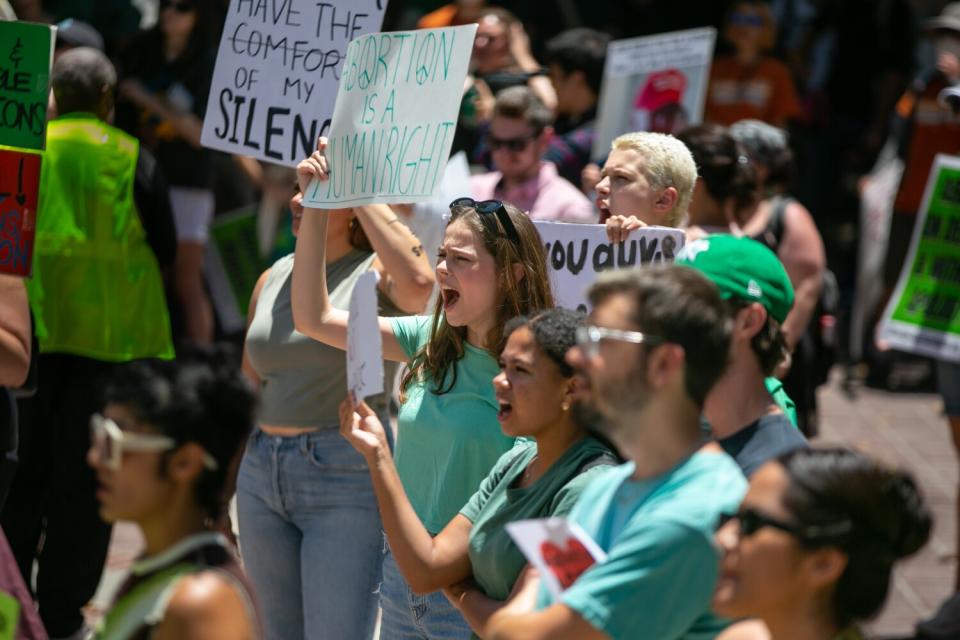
96, 289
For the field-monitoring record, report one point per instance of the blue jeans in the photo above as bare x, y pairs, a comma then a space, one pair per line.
310, 535
407, 616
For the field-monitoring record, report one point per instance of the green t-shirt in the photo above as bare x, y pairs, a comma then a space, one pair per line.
496, 560
658, 578
446, 444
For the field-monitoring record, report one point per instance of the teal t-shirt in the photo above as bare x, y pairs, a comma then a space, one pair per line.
446, 444
495, 559
658, 578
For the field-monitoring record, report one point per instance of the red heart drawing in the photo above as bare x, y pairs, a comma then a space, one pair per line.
569, 563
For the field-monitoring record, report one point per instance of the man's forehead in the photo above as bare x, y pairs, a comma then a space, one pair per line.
616, 311
629, 158
507, 127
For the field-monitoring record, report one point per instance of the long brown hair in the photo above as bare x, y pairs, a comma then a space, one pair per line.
529, 295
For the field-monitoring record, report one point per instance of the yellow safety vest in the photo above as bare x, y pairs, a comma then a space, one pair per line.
96, 289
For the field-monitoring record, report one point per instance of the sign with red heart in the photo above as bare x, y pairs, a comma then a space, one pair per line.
567, 563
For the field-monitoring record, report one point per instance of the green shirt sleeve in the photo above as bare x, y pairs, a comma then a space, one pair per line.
568, 496
656, 582
411, 332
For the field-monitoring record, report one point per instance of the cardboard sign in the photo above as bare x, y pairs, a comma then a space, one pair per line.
26, 53
19, 188
364, 345
923, 316
576, 253
559, 549
653, 83
277, 72
395, 116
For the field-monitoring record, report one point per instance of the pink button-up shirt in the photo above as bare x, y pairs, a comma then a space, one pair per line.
546, 196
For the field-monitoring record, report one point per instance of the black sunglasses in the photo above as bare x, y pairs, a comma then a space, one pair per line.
751, 521
179, 7
488, 207
513, 144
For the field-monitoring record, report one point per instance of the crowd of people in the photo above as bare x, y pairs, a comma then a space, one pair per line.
672, 422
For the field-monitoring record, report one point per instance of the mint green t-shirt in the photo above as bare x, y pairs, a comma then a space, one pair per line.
446, 444
658, 578
495, 559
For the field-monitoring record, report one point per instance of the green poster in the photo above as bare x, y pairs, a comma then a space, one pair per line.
233, 265
26, 53
9, 616
924, 313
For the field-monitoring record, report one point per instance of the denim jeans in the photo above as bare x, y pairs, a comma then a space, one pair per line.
408, 616
310, 536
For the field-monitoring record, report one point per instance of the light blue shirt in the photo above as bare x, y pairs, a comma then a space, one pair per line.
662, 563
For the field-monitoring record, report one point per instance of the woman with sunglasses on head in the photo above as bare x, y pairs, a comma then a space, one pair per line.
811, 550
312, 542
161, 450
473, 558
491, 268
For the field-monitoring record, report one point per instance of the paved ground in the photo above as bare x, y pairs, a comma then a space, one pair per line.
906, 429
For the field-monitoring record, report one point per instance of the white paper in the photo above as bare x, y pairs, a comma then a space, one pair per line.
395, 116
277, 73
576, 253
364, 346
644, 74
558, 548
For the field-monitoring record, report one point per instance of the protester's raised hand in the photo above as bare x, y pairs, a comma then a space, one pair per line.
315, 166
619, 227
362, 428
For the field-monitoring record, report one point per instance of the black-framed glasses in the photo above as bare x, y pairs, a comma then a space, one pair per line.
589, 338
750, 521
179, 7
491, 207
511, 144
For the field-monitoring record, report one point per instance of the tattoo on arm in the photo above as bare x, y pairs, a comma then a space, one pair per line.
417, 250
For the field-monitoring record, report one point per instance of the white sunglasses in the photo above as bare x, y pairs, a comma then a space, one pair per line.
110, 441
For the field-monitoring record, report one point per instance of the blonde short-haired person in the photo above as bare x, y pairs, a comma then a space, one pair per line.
648, 179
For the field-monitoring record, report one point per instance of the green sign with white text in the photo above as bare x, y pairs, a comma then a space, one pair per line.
924, 313
26, 53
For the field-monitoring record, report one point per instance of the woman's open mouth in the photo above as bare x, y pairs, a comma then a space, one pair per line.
505, 410
450, 298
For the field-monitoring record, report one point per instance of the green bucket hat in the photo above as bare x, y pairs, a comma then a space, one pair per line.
742, 268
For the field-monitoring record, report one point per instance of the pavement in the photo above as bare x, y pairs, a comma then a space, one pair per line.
906, 429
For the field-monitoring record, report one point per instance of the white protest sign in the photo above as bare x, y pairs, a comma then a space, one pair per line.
576, 253
558, 548
364, 346
277, 72
395, 116
653, 83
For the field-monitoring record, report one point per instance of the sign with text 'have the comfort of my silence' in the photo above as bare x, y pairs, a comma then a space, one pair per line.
277, 73
395, 116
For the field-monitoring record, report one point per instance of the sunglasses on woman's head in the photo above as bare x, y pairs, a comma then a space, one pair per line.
179, 7
751, 521
110, 441
491, 207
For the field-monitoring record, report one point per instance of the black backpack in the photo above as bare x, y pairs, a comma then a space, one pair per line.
822, 329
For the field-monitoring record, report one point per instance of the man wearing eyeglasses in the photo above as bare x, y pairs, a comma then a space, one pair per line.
519, 135
657, 343
744, 418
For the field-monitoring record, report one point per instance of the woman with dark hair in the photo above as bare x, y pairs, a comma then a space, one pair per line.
166, 75
309, 528
725, 195
473, 558
161, 450
812, 547
491, 268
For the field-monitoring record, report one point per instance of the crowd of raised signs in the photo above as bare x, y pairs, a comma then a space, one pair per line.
595, 431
